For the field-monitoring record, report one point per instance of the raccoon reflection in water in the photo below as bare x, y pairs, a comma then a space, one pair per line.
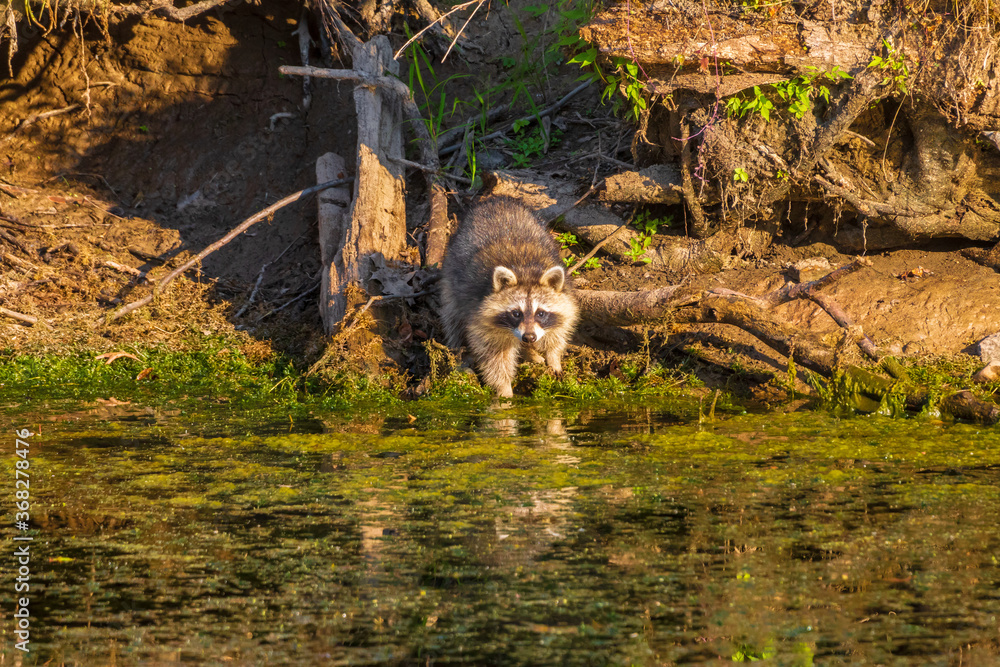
504, 292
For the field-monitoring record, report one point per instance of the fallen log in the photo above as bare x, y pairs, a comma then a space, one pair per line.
964, 405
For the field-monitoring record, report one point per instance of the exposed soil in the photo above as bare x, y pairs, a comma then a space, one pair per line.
182, 131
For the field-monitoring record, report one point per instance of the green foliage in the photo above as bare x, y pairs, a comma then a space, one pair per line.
433, 99
893, 65
749, 653
740, 175
621, 74
566, 239
637, 249
798, 93
529, 144
759, 103
647, 224
592, 263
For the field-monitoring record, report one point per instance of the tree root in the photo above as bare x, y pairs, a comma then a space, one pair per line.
752, 314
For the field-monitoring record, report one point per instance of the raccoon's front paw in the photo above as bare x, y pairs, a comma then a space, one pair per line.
533, 356
505, 392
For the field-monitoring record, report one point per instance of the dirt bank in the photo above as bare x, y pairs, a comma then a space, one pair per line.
169, 134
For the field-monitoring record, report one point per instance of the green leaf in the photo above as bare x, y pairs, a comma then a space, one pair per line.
584, 59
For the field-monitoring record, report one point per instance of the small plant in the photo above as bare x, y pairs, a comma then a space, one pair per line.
740, 175
799, 93
637, 249
422, 77
527, 145
623, 76
759, 104
648, 225
782, 175
893, 65
566, 239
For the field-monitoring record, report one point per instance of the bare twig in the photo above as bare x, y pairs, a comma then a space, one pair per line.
431, 170
810, 290
799, 290
21, 317
594, 184
236, 231
450, 136
18, 262
281, 308
31, 120
439, 20
461, 30
597, 247
260, 276
834, 310
121, 268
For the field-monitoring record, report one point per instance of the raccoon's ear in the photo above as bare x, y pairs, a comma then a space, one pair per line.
554, 278
503, 278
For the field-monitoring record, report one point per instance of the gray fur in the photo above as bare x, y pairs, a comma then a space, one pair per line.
478, 296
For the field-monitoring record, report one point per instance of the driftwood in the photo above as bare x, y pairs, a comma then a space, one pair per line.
376, 222
332, 215
964, 405
437, 224
25, 319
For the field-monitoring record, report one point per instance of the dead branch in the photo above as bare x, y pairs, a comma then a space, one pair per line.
800, 290
21, 317
437, 225
18, 262
808, 349
236, 231
627, 308
121, 268
435, 22
751, 314
287, 304
448, 137
593, 251
964, 405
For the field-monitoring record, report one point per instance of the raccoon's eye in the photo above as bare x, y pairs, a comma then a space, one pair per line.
516, 314
540, 313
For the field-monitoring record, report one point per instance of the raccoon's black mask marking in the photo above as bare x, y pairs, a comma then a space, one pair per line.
508, 320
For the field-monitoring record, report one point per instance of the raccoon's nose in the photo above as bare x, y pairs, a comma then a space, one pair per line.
529, 338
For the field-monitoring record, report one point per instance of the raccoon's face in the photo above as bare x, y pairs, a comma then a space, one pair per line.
528, 310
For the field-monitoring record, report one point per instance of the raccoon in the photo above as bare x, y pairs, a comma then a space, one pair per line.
505, 292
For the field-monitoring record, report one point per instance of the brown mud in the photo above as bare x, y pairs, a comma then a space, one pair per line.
181, 131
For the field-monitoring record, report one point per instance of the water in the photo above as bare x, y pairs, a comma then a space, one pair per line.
544, 535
